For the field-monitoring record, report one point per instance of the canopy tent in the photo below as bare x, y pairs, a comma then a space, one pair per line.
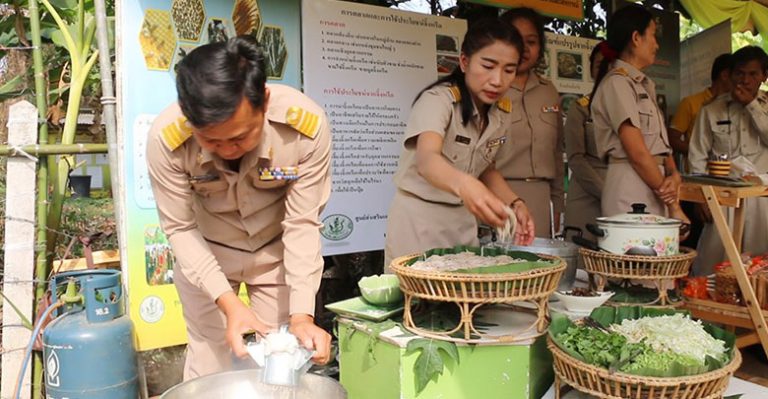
744, 14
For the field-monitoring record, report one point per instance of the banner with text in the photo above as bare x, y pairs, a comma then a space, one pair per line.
697, 54
566, 64
365, 65
568, 9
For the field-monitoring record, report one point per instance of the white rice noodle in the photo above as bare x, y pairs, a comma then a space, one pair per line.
463, 260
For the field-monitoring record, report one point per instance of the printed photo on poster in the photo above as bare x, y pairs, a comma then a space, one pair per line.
158, 257
446, 64
275, 50
218, 30
447, 44
246, 17
156, 40
570, 65
180, 53
188, 18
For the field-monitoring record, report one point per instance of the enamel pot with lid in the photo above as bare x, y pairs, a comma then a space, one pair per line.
638, 233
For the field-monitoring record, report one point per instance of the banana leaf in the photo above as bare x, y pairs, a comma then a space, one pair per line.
614, 315
533, 260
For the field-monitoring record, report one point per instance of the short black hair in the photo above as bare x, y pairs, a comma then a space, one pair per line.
213, 79
750, 53
720, 64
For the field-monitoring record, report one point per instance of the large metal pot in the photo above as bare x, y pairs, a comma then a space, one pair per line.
566, 250
246, 384
638, 233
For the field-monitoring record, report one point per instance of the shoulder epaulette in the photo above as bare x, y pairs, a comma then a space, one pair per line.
620, 71
305, 122
583, 101
505, 104
176, 133
455, 93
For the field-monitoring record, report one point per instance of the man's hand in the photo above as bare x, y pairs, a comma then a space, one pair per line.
668, 191
311, 337
742, 95
240, 320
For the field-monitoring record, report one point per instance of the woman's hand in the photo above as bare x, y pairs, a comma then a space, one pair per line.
525, 230
481, 202
669, 189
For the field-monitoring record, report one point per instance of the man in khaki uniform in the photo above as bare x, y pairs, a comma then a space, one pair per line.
627, 94
240, 173
532, 161
736, 125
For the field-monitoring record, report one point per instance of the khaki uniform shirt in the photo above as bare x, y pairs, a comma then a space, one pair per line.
467, 148
536, 145
581, 147
725, 126
199, 198
626, 93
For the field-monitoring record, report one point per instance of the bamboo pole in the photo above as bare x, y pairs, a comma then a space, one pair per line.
53, 149
41, 99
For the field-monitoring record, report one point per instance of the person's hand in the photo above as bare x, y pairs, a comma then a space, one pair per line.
742, 95
668, 191
676, 212
482, 203
240, 320
525, 231
311, 337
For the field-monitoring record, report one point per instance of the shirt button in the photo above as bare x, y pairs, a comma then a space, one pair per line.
455, 157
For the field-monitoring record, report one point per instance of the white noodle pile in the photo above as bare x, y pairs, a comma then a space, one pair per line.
463, 260
506, 234
675, 333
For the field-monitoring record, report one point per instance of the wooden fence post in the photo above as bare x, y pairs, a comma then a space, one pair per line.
19, 247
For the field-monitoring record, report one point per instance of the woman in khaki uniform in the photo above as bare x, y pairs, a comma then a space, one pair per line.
532, 162
588, 171
446, 176
629, 126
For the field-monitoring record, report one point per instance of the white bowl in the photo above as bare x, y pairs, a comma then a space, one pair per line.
582, 304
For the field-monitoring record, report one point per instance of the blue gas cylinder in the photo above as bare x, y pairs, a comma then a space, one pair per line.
88, 349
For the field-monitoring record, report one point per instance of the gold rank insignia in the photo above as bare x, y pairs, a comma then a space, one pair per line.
176, 133
455, 93
496, 142
620, 71
583, 101
302, 120
505, 104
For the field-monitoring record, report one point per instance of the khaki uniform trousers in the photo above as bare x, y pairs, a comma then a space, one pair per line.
755, 242
581, 208
415, 225
264, 276
537, 197
624, 187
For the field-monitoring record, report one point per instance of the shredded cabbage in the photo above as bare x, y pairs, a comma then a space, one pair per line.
676, 333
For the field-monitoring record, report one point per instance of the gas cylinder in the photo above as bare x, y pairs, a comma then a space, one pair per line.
88, 348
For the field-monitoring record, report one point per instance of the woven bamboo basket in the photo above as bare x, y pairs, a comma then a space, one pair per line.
727, 288
657, 269
471, 291
599, 382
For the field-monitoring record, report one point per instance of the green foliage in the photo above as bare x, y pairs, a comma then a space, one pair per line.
84, 217
430, 363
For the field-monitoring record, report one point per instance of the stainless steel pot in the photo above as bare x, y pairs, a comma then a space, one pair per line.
563, 249
246, 384
638, 233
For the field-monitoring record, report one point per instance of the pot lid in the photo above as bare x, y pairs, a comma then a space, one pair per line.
548, 246
639, 217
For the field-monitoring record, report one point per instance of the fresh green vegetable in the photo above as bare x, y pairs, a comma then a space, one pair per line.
652, 362
600, 348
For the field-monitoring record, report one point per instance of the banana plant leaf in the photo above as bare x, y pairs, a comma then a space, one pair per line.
533, 261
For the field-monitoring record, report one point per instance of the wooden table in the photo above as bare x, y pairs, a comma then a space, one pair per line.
754, 318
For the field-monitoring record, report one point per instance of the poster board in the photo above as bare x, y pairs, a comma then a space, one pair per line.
365, 65
567, 9
566, 64
152, 36
697, 54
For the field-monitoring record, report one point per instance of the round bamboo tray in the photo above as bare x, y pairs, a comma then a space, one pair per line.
657, 269
471, 291
599, 382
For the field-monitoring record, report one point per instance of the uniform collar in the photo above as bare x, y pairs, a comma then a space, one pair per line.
532, 82
633, 73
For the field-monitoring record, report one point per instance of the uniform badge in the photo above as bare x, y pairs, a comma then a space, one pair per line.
176, 133
463, 139
551, 108
583, 101
725, 122
505, 104
643, 96
455, 93
302, 120
279, 173
203, 178
496, 142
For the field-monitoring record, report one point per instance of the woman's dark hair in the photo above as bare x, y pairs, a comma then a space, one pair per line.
481, 33
593, 54
750, 53
622, 24
212, 80
513, 14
